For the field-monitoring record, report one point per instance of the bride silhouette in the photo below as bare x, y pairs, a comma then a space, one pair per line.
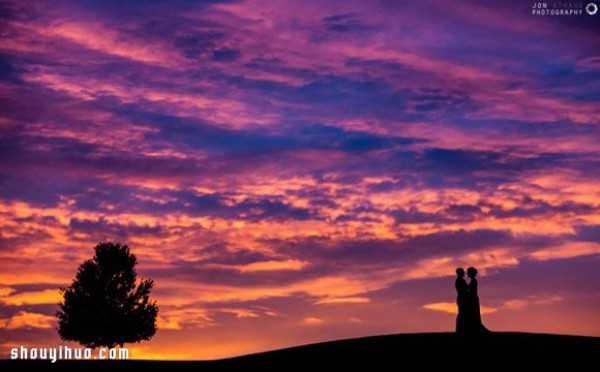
468, 320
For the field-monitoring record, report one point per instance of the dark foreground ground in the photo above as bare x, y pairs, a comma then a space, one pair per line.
404, 352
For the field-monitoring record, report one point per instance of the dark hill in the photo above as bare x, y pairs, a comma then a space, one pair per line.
379, 353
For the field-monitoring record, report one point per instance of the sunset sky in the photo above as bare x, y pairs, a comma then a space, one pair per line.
298, 171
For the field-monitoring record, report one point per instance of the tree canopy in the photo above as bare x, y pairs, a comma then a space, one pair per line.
106, 305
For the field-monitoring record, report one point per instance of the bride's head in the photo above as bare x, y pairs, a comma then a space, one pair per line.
472, 272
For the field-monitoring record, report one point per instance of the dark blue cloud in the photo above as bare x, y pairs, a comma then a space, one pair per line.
367, 251
449, 242
437, 100
588, 233
225, 54
460, 162
358, 95
413, 216
101, 230
346, 23
136, 8
9, 72
530, 207
200, 135
198, 44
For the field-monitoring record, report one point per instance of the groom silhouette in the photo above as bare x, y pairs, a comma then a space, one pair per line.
462, 289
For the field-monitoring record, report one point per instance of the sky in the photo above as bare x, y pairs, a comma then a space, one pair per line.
290, 172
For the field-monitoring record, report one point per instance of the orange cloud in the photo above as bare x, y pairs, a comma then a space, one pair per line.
48, 296
517, 304
568, 250
445, 266
450, 307
241, 313
343, 300
167, 324
272, 265
18, 277
311, 320
24, 319
323, 287
428, 268
513, 304
5, 291
179, 318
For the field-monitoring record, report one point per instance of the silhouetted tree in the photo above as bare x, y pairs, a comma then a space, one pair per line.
104, 306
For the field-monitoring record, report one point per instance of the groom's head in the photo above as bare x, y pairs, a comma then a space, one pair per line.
460, 272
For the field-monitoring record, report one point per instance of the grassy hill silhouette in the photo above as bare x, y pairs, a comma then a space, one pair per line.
389, 352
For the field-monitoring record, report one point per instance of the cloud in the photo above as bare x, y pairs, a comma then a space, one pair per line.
517, 304
446, 307
104, 39
226, 54
343, 300
311, 320
293, 265
25, 319
181, 318
450, 307
47, 296
445, 266
6, 291
588, 233
241, 313
512, 304
566, 251
345, 23
173, 318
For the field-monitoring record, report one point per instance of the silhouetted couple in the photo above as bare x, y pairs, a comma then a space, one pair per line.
468, 320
